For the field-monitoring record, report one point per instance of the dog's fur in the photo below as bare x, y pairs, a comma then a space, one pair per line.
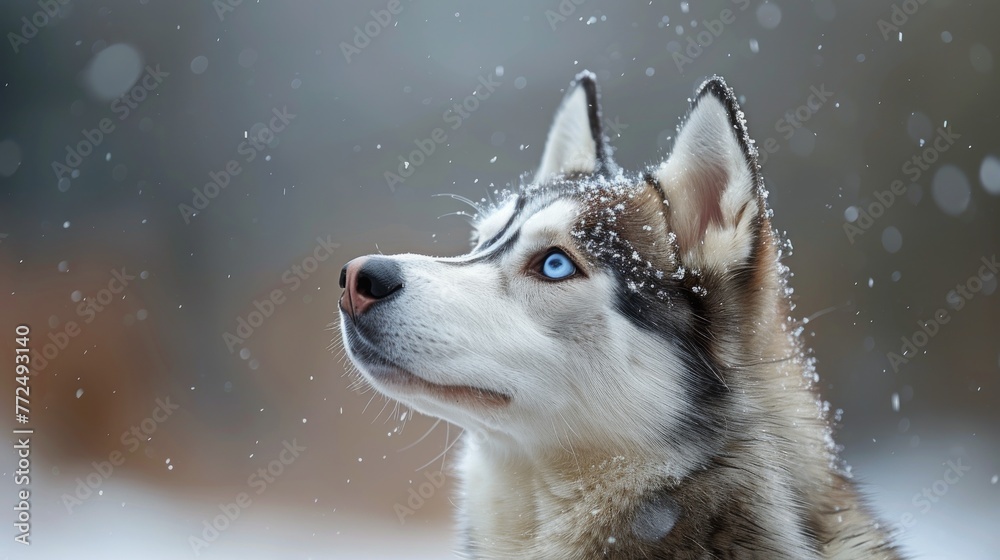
656, 404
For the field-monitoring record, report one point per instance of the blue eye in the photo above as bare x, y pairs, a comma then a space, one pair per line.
558, 266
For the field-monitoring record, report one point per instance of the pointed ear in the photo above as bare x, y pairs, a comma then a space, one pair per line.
711, 183
575, 144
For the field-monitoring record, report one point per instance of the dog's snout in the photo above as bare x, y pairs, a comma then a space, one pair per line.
367, 280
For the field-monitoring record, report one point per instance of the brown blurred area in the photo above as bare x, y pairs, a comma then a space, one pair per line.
108, 378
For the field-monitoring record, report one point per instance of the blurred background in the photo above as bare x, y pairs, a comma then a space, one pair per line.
180, 183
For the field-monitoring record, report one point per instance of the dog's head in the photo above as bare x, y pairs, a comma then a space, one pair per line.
595, 306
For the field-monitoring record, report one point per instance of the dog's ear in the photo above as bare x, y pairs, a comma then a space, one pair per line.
575, 144
711, 183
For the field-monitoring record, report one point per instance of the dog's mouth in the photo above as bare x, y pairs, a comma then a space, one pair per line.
384, 372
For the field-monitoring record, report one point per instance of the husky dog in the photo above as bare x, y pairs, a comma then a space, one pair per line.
619, 351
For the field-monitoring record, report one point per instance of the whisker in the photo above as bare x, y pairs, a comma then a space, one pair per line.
461, 213
443, 452
822, 312
427, 433
461, 198
387, 401
444, 455
365, 409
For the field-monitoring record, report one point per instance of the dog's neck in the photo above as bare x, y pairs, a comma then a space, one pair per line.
589, 505
558, 505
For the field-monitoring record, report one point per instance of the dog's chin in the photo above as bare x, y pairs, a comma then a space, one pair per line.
404, 385
409, 387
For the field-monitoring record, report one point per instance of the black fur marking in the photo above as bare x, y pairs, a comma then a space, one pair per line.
650, 180
586, 81
712, 389
687, 327
527, 204
717, 87
522, 201
493, 255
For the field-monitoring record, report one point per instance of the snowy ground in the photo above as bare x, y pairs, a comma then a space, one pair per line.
132, 521
155, 526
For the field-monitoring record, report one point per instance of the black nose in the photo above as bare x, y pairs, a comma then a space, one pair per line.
367, 280
379, 277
